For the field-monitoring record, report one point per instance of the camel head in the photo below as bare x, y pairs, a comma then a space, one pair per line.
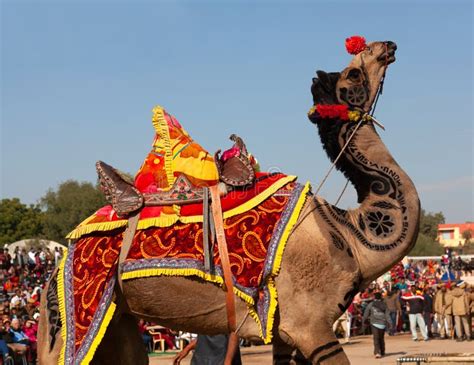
357, 85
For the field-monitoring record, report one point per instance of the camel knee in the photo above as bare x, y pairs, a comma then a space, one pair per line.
321, 347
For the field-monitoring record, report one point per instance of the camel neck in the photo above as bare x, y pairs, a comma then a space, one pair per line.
388, 215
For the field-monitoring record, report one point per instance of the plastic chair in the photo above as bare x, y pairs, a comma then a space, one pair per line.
156, 339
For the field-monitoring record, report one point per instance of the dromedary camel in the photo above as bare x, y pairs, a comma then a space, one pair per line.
331, 254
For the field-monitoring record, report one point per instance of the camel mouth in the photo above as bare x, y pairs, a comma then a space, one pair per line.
388, 56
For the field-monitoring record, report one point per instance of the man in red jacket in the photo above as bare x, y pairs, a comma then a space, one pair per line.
415, 301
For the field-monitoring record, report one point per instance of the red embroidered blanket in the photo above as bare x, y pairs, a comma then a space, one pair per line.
256, 232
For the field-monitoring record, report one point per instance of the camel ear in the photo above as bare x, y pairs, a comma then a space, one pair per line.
324, 87
328, 80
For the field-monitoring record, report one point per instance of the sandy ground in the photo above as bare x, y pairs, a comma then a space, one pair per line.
359, 351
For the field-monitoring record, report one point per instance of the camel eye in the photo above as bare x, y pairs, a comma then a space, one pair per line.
354, 74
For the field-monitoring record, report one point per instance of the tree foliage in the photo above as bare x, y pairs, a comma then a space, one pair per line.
429, 223
426, 244
467, 235
68, 206
19, 221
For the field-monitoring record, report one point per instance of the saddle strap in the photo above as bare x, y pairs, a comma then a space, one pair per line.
126, 244
224, 255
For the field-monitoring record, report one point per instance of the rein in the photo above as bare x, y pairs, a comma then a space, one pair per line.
304, 214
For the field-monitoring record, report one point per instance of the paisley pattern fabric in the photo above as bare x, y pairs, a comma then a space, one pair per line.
255, 237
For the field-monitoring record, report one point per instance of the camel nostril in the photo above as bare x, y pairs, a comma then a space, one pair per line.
391, 45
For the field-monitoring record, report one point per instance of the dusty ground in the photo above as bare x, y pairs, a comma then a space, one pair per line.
359, 351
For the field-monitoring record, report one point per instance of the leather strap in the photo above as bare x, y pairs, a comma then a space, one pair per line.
224, 255
126, 244
205, 230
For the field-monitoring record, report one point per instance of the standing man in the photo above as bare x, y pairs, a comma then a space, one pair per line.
428, 310
379, 319
394, 309
441, 304
415, 303
209, 350
460, 312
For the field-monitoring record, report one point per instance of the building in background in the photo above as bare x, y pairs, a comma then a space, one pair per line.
451, 234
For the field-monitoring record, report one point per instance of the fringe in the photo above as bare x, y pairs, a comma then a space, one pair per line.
169, 220
62, 307
100, 334
186, 272
162, 130
267, 337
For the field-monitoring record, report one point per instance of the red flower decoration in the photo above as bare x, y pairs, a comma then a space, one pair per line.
339, 111
355, 44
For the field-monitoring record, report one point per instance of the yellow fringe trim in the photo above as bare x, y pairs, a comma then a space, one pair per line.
289, 228
267, 338
277, 262
185, 272
161, 127
62, 307
100, 334
169, 220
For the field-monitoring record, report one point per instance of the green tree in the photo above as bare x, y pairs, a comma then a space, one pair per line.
426, 244
467, 235
68, 206
429, 223
19, 221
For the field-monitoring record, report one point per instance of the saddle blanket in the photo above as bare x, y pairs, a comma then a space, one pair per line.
257, 224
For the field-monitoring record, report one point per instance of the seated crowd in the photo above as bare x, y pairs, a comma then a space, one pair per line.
22, 277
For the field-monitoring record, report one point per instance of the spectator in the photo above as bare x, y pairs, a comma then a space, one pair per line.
428, 310
142, 328
394, 309
379, 319
209, 350
20, 342
441, 305
460, 312
415, 309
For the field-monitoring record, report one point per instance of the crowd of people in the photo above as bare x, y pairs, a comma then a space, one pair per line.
22, 277
428, 295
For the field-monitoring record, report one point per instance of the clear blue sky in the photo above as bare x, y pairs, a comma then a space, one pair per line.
79, 80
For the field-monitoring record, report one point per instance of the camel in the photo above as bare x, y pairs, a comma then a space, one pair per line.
330, 255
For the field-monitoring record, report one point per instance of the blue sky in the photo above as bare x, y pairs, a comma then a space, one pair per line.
79, 80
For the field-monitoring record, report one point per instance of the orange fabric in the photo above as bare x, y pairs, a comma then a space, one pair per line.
174, 153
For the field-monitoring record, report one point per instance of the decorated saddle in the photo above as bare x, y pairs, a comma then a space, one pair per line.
258, 218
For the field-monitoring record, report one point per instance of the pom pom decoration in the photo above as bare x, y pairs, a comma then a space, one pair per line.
355, 44
339, 111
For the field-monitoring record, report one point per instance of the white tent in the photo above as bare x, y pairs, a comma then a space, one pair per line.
23, 243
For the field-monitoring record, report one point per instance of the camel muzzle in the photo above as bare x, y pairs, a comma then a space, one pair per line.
388, 57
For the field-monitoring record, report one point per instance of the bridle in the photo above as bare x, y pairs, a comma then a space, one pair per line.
304, 214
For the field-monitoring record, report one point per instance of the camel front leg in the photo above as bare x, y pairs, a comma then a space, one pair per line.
122, 343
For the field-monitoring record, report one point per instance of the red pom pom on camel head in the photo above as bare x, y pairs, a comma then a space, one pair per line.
355, 44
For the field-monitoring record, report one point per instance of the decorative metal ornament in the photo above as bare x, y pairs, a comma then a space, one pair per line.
356, 95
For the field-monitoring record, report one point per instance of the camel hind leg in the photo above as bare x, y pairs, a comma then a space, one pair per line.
49, 337
122, 343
